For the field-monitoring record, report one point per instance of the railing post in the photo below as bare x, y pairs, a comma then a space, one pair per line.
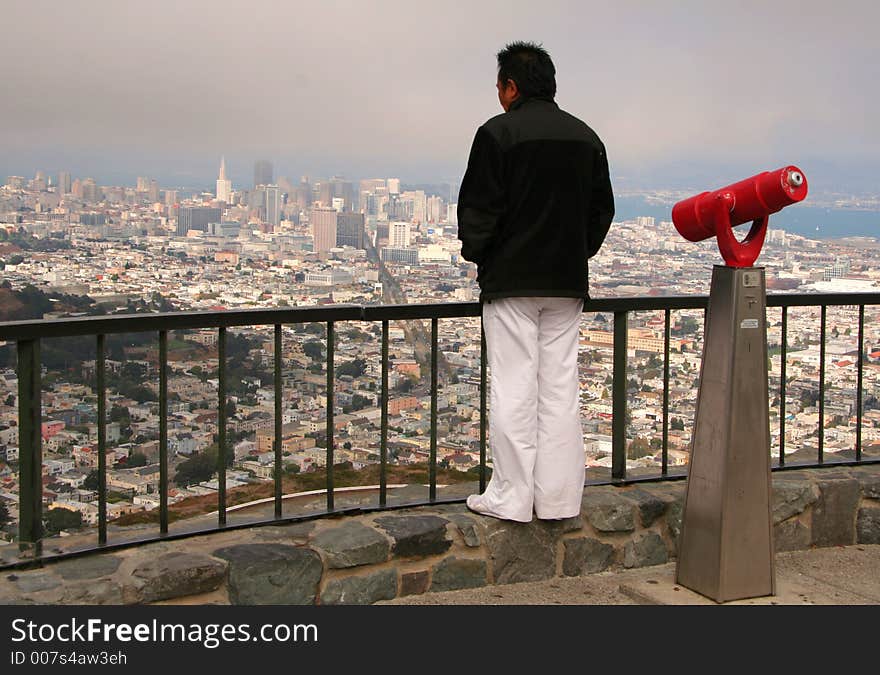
102, 440
432, 462
482, 407
331, 402
278, 422
666, 335
163, 432
619, 409
221, 427
383, 443
30, 497
822, 386
783, 358
859, 383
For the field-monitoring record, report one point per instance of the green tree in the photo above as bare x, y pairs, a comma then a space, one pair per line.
92, 480
316, 329
677, 424
119, 413
136, 459
4, 514
314, 350
638, 447
62, 519
354, 368
200, 467
406, 384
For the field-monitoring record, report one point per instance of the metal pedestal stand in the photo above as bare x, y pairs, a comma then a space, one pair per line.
726, 544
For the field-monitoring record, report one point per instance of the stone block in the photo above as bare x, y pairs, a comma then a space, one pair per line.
868, 525
87, 567
791, 497
674, 517
791, 535
521, 551
271, 574
644, 550
178, 574
100, 592
361, 590
414, 583
36, 582
608, 510
650, 505
453, 573
869, 480
468, 529
834, 513
585, 555
292, 534
416, 535
352, 544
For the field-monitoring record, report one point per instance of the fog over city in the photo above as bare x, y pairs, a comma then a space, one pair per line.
685, 93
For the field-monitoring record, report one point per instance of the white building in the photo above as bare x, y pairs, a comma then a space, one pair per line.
399, 234
224, 186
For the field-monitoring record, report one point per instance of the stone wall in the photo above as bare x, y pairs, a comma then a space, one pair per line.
363, 558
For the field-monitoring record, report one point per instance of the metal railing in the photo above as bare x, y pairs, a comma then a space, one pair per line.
28, 334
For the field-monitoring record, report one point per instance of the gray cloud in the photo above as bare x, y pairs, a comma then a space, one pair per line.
395, 87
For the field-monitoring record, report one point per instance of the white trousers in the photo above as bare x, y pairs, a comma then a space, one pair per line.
536, 438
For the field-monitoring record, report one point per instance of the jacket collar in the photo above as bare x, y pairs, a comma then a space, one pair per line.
522, 100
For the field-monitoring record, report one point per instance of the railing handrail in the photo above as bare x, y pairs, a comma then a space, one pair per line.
188, 320
28, 334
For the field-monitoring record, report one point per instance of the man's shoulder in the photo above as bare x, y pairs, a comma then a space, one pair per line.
496, 125
583, 127
548, 122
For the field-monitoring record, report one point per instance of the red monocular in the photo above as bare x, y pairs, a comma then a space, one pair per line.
715, 214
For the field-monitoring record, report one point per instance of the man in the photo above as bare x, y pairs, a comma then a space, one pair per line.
535, 204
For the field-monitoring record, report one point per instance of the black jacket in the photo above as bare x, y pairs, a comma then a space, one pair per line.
535, 202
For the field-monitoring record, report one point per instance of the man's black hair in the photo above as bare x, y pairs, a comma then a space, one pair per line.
529, 65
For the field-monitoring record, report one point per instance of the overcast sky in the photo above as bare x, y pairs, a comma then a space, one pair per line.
681, 92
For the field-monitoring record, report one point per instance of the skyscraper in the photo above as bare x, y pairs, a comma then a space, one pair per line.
90, 191
323, 222
434, 209
399, 234
196, 218
273, 204
263, 172
64, 183
224, 186
350, 229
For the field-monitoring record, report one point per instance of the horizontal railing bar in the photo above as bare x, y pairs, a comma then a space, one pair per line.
137, 323
434, 310
819, 299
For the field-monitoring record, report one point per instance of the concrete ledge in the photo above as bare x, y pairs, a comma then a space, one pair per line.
817, 581
374, 557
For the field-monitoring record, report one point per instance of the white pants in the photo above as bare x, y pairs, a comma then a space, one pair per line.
536, 438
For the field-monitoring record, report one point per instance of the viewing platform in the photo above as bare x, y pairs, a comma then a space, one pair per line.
394, 538
364, 558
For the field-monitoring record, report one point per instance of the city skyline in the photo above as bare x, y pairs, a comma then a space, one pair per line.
683, 95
